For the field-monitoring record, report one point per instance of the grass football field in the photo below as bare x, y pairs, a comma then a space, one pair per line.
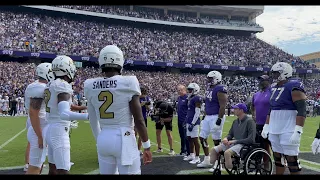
13, 141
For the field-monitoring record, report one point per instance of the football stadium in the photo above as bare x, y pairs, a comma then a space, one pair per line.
163, 47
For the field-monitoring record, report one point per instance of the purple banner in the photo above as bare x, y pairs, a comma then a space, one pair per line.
152, 63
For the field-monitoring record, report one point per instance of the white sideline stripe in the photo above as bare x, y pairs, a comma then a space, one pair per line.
12, 167
194, 171
310, 162
11, 139
310, 168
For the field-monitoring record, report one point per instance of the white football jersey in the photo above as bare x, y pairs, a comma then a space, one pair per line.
1, 102
51, 92
110, 98
35, 90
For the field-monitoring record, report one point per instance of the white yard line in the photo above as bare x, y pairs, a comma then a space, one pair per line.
12, 167
11, 139
310, 162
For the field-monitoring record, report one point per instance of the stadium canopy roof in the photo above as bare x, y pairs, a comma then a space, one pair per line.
245, 11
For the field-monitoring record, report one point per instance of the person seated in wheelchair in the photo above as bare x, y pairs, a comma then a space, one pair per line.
242, 132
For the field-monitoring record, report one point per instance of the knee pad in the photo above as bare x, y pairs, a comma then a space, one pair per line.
293, 163
217, 142
278, 159
204, 143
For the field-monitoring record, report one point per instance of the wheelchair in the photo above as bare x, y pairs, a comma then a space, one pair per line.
253, 160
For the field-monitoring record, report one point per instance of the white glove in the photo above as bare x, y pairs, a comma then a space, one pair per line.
315, 146
296, 136
265, 131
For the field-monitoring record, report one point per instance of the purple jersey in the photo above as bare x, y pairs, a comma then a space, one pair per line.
281, 98
144, 109
261, 103
212, 105
182, 108
192, 108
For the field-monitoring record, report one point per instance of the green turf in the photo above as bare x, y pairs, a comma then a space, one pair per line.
83, 150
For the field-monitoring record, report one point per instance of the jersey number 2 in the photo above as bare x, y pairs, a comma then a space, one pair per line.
47, 95
107, 98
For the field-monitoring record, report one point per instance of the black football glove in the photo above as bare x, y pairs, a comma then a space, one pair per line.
218, 122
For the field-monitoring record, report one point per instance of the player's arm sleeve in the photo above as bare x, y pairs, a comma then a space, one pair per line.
86, 89
223, 89
197, 112
37, 92
134, 87
298, 86
94, 123
64, 89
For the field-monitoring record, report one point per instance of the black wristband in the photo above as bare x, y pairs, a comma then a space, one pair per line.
318, 134
218, 122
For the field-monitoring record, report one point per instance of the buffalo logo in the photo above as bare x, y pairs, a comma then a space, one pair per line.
127, 133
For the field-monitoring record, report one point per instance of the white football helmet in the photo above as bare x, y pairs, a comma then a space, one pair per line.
284, 70
193, 88
111, 56
64, 66
216, 77
44, 70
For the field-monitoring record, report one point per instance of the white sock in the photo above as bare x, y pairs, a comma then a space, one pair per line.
192, 154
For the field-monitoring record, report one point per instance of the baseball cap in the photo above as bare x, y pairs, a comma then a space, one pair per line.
240, 106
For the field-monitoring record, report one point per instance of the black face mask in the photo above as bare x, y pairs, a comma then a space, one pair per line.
275, 75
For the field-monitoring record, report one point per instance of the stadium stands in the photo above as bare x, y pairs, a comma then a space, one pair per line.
157, 14
76, 37
27, 31
161, 85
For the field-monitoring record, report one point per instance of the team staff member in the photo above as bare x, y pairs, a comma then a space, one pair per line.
182, 109
260, 108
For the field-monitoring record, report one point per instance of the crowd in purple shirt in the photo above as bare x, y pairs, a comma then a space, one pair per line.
73, 37
15, 77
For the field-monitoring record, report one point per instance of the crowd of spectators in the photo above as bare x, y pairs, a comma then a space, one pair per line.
161, 85
31, 32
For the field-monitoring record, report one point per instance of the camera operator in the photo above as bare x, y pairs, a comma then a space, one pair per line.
163, 117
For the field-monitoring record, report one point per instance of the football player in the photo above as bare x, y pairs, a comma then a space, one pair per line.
5, 105
284, 124
145, 103
193, 122
315, 146
1, 103
114, 105
215, 105
21, 110
58, 99
35, 105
